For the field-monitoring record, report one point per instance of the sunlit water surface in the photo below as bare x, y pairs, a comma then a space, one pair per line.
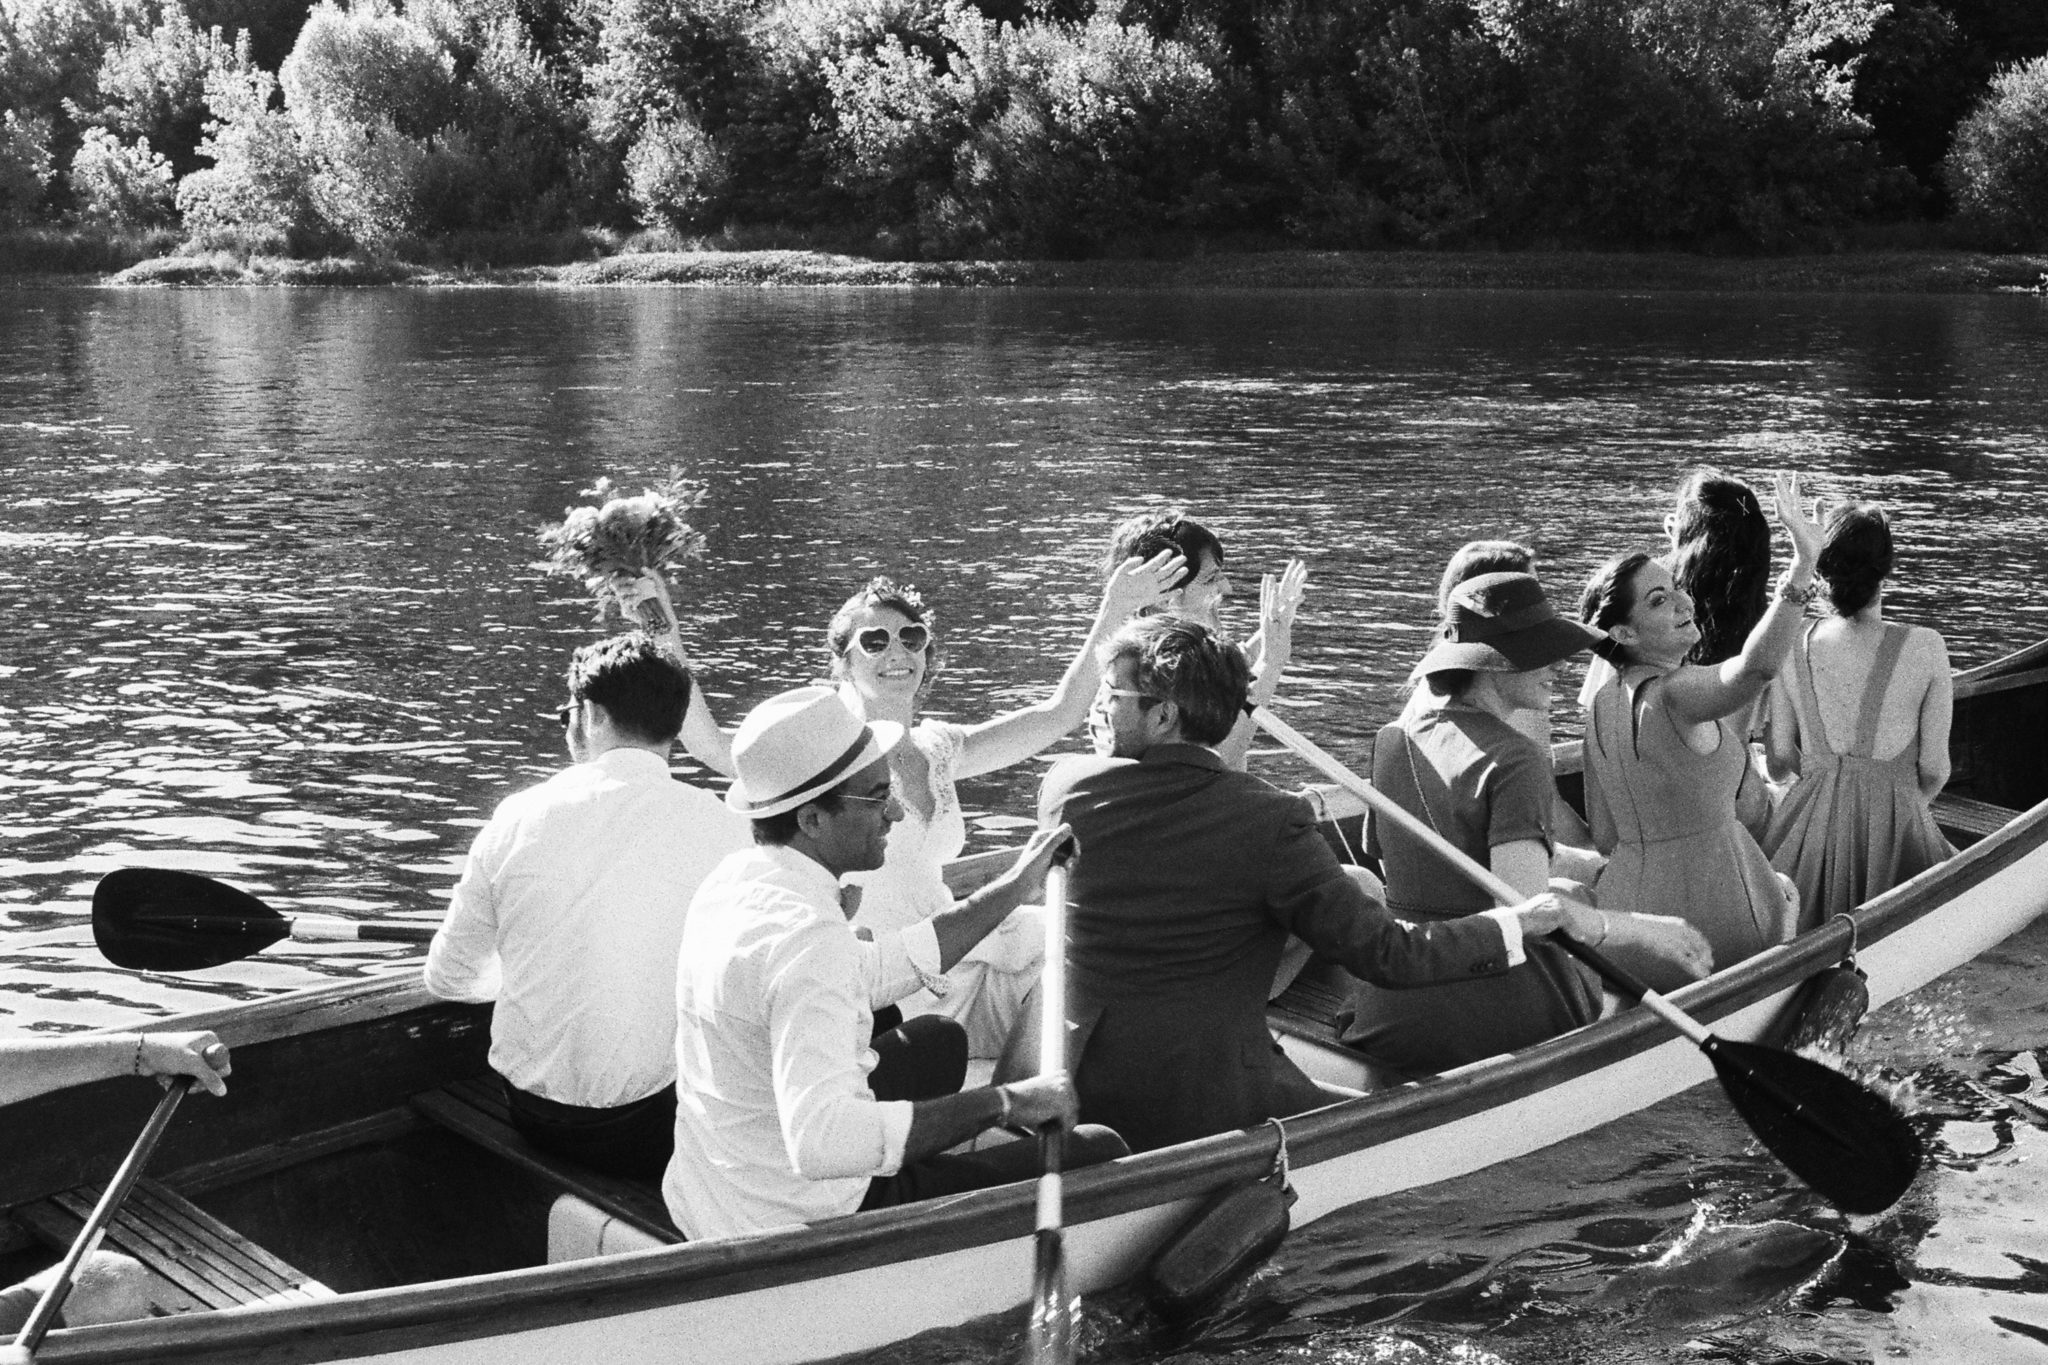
272, 614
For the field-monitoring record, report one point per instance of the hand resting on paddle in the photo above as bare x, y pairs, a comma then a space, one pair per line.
971, 920
35, 1066
1666, 938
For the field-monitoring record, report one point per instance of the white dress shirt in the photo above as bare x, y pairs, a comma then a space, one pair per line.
775, 1124
569, 913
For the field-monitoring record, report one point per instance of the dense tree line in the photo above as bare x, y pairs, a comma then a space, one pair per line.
1028, 127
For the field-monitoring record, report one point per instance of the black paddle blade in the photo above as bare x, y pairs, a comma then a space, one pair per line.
1847, 1142
158, 920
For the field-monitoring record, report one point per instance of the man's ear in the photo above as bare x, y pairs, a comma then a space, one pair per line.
810, 820
1165, 719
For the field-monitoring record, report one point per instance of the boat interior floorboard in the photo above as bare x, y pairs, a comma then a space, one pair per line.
196, 1260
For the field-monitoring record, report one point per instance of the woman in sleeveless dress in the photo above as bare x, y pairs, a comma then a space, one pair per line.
885, 656
1861, 719
1457, 760
1662, 761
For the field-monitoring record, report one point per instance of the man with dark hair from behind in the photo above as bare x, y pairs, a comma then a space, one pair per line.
570, 912
1199, 597
1189, 879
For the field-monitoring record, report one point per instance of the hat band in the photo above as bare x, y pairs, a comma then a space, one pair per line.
1507, 623
830, 773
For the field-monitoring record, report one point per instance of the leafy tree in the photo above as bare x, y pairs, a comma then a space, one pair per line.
121, 184
151, 86
25, 166
1998, 169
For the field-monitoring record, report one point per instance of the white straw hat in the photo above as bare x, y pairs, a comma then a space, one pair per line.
797, 746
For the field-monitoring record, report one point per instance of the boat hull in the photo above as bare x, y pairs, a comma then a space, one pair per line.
872, 1279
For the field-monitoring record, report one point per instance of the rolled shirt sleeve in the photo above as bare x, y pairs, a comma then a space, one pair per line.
818, 1026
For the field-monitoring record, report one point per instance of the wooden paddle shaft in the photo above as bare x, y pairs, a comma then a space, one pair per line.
1049, 1335
1052, 1031
95, 1226
1483, 877
335, 929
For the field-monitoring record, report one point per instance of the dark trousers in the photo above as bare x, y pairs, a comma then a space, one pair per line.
925, 1058
958, 1172
633, 1140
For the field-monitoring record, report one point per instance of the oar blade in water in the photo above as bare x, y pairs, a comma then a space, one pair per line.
1843, 1139
155, 919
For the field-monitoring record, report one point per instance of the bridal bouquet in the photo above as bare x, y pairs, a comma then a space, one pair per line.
626, 535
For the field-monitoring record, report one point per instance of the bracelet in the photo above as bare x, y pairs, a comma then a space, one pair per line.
1003, 1118
135, 1067
1320, 802
1788, 593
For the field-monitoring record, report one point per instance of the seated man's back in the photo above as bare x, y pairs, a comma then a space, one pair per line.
1189, 879
570, 912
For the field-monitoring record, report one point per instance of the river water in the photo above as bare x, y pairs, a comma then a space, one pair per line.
272, 613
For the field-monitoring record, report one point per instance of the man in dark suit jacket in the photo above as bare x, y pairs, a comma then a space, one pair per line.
1189, 879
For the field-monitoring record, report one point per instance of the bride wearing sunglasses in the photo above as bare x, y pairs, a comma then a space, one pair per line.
885, 656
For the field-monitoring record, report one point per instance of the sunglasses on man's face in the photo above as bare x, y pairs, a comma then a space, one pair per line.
914, 636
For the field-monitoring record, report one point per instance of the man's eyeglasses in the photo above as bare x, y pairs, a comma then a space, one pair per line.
1114, 692
875, 800
914, 636
564, 711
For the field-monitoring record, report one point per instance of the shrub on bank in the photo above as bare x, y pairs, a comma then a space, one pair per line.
1998, 168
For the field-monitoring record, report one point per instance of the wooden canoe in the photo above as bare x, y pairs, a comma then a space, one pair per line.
355, 1197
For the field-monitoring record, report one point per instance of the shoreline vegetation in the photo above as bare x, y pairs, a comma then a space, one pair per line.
1264, 143
1921, 271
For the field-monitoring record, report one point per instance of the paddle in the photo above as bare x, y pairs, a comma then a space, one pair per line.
45, 1312
159, 920
1050, 1337
1844, 1140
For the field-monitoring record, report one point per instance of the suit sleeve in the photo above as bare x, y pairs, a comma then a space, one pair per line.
1309, 893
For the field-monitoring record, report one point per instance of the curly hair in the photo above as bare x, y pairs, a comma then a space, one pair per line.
1721, 559
1185, 663
1147, 533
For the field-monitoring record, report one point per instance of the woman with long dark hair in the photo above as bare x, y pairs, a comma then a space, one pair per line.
1662, 760
1861, 720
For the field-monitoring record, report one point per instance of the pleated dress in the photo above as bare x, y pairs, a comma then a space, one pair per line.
1665, 817
1853, 825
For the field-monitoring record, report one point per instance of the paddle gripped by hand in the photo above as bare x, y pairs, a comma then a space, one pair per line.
1844, 1140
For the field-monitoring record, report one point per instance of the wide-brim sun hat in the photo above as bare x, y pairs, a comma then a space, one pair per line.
799, 745
1502, 623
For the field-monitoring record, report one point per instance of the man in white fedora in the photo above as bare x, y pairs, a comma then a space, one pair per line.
776, 1121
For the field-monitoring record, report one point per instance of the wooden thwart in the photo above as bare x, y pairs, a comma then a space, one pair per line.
208, 1263
1966, 821
476, 1110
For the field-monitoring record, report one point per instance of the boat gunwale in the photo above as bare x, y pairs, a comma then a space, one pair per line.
537, 1297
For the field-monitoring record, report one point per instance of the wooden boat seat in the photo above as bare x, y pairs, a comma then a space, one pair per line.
1309, 1007
200, 1261
476, 1110
1965, 821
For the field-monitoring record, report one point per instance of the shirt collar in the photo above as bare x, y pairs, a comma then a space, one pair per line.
805, 873
631, 764
1193, 755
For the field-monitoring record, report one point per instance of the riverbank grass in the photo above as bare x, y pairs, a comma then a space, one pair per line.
1927, 271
